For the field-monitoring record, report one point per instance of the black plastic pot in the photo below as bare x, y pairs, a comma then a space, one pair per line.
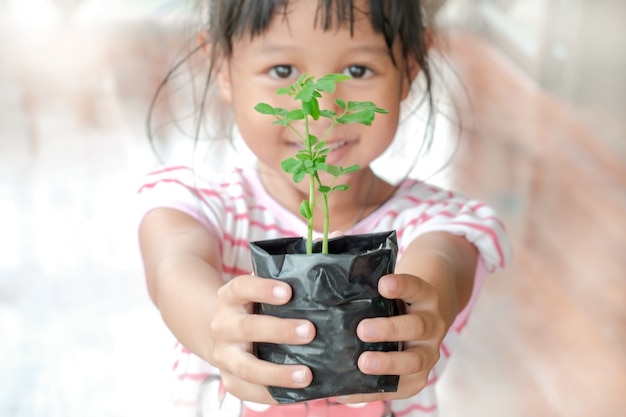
335, 292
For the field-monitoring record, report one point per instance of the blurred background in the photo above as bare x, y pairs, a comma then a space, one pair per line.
541, 93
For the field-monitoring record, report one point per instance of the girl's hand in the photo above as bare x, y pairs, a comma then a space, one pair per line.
422, 330
235, 328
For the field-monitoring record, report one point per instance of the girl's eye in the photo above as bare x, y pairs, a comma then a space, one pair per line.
358, 71
282, 71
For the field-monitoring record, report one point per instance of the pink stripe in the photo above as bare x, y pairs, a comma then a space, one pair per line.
390, 213
193, 377
242, 216
169, 169
477, 206
234, 241
416, 407
489, 231
458, 328
480, 205
276, 227
445, 351
432, 202
233, 270
412, 199
154, 184
433, 380
424, 217
239, 216
239, 184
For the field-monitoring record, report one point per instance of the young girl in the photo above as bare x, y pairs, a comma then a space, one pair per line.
195, 229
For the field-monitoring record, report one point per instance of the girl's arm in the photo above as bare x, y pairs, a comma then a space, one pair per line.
214, 319
435, 278
181, 264
446, 262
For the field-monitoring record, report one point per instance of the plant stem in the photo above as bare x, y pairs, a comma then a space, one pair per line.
309, 241
326, 224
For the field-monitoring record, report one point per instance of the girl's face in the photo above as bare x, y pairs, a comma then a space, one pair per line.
291, 46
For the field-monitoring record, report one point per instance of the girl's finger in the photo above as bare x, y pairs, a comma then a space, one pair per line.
246, 328
245, 289
415, 360
249, 371
420, 326
411, 289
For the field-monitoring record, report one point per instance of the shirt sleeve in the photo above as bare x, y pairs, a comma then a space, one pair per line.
430, 209
446, 211
179, 188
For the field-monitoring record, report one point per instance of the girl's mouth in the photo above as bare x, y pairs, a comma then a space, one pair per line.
332, 146
337, 145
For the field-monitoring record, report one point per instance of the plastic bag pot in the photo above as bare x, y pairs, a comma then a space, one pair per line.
335, 292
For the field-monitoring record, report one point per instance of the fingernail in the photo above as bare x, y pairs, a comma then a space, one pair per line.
303, 330
390, 284
299, 375
280, 292
369, 330
371, 364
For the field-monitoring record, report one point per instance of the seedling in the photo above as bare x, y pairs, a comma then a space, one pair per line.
311, 160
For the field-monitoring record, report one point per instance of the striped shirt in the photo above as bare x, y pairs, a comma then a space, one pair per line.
235, 207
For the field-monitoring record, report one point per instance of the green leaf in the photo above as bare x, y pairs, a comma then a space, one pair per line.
298, 176
328, 82
324, 189
296, 114
290, 165
364, 117
329, 114
305, 210
361, 105
281, 122
341, 103
303, 155
306, 93
333, 170
351, 168
310, 141
321, 166
305, 79
265, 108
319, 145
341, 187
312, 108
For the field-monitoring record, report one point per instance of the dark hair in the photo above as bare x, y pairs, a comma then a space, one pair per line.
225, 21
